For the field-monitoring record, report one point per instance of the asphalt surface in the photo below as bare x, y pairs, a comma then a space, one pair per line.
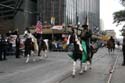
101, 70
57, 68
41, 71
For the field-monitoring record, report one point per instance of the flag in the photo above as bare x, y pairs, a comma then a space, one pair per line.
38, 27
86, 22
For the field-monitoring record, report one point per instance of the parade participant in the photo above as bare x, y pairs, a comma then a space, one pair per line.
113, 41
76, 51
86, 39
111, 45
71, 40
28, 45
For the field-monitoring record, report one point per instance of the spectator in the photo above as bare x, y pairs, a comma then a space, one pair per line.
118, 44
123, 49
18, 47
3, 48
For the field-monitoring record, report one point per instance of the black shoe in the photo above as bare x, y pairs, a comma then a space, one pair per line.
17, 57
4, 59
1, 60
73, 76
123, 64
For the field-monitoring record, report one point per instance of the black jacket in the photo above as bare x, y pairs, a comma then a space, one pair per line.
123, 45
3, 44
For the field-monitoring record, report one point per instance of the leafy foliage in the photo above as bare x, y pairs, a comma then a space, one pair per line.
119, 16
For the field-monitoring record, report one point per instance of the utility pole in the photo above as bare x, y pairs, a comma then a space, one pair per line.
76, 17
52, 17
76, 14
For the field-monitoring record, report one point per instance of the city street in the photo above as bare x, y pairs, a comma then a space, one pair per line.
17, 71
102, 65
57, 68
83, 26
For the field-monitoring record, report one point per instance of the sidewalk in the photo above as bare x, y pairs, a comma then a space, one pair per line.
119, 73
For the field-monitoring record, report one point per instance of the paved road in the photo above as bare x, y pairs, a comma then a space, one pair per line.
55, 69
17, 71
100, 70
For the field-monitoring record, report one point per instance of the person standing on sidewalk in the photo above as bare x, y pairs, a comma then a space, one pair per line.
123, 49
17, 46
3, 48
0, 47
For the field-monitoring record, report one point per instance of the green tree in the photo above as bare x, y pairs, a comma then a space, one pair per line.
119, 16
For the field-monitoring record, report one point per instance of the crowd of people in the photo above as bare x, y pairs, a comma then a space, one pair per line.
11, 42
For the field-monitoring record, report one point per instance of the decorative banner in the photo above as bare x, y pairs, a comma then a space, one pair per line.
38, 27
57, 27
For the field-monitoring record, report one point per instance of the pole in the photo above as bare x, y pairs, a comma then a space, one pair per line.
53, 17
53, 8
76, 18
76, 14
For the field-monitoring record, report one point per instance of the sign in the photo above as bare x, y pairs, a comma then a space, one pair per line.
53, 20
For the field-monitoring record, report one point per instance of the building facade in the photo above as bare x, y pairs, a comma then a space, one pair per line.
70, 11
110, 33
17, 14
26, 17
78, 10
55, 12
51, 10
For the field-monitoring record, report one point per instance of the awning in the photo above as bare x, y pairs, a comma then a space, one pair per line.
57, 27
52, 31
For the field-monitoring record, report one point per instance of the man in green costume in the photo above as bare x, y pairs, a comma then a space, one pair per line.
86, 39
